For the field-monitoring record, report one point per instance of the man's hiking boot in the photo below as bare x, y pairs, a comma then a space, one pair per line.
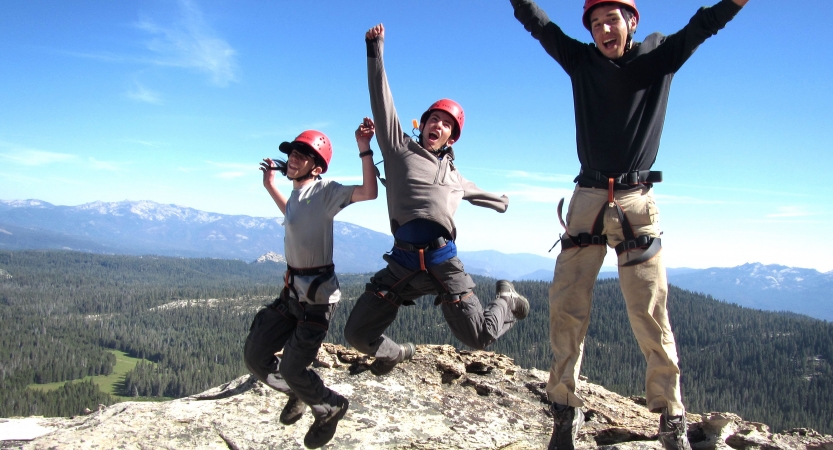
326, 421
384, 366
293, 411
518, 304
672, 431
566, 423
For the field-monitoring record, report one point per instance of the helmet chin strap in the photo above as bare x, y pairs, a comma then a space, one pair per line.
439, 150
629, 41
305, 177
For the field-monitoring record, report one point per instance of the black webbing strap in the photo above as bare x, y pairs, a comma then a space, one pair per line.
650, 244
595, 237
392, 293
652, 247
621, 181
323, 272
315, 314
440, 242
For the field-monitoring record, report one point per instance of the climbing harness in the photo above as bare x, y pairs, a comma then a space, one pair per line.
321, 273
392, 293
593, 178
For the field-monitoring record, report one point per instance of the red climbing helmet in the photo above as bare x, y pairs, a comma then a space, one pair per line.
314, 141
589, 4
451, 107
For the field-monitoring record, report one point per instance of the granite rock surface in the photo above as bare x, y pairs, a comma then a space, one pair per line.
442, 399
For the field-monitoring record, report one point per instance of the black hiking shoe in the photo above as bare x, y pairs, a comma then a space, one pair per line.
672, 431
326, 421
566, 424
384, 366
293, 411
518, 304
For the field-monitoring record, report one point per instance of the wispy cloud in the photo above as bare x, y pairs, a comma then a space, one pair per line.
230, 170
538, 194
288, 133
32, 157
142, 94
536, 176
231, 175
790, 211
191, 43
233, 166
686, 200
146, 143
103, 165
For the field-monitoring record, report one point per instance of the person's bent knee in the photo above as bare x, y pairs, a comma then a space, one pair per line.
259, 365
356, 339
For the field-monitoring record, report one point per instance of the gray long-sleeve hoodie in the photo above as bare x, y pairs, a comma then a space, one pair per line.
419, 185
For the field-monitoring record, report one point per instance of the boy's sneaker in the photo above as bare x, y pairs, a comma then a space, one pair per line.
518, 304
566, 423
384, 366
672, 431
326, 421
293, 411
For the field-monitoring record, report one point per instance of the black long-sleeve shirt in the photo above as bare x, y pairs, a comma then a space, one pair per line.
620, 104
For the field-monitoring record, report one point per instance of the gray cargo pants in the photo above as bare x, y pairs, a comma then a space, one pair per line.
298, 329
466, 318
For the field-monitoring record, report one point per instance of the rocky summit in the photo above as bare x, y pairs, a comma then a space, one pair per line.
442, 399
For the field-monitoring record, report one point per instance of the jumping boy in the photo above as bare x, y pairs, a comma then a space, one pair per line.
620, 91
298, 320
424, 189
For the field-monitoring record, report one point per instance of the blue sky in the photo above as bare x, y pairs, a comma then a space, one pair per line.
177, 102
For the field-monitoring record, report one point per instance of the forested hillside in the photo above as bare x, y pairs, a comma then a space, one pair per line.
62, 311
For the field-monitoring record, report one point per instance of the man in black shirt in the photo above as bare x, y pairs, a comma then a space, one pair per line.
620, 90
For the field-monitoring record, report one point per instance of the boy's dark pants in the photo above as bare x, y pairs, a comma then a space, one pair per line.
466, 318
298, 329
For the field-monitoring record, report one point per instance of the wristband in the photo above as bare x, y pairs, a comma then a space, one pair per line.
366, 153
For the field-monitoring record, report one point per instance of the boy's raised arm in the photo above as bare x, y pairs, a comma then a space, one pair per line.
268, 169
389, 133
368, 190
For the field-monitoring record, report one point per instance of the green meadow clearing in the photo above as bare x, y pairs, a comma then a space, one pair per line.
109, 384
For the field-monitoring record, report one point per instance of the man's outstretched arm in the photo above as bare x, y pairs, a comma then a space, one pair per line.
389, 133
564, 49
740, 2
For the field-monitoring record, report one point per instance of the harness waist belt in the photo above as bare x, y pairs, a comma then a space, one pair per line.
309, 271
621, 181
440, 242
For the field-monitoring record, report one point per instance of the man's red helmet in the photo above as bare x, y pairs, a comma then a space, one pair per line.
315, 141
589, 4
451, 107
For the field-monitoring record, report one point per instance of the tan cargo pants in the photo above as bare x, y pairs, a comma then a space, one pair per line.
644, 286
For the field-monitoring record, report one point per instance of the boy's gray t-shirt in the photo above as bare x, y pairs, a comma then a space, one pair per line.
308, 238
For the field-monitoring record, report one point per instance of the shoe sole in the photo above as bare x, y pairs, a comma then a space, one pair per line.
292, 419
509, 288
334, 421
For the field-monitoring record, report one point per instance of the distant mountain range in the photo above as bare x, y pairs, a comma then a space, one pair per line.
754, 285
145, 227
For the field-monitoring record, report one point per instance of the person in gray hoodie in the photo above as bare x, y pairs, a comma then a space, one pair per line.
424, 189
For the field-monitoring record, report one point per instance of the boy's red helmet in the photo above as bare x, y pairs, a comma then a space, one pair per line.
451, 107
589, 4
313, 140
